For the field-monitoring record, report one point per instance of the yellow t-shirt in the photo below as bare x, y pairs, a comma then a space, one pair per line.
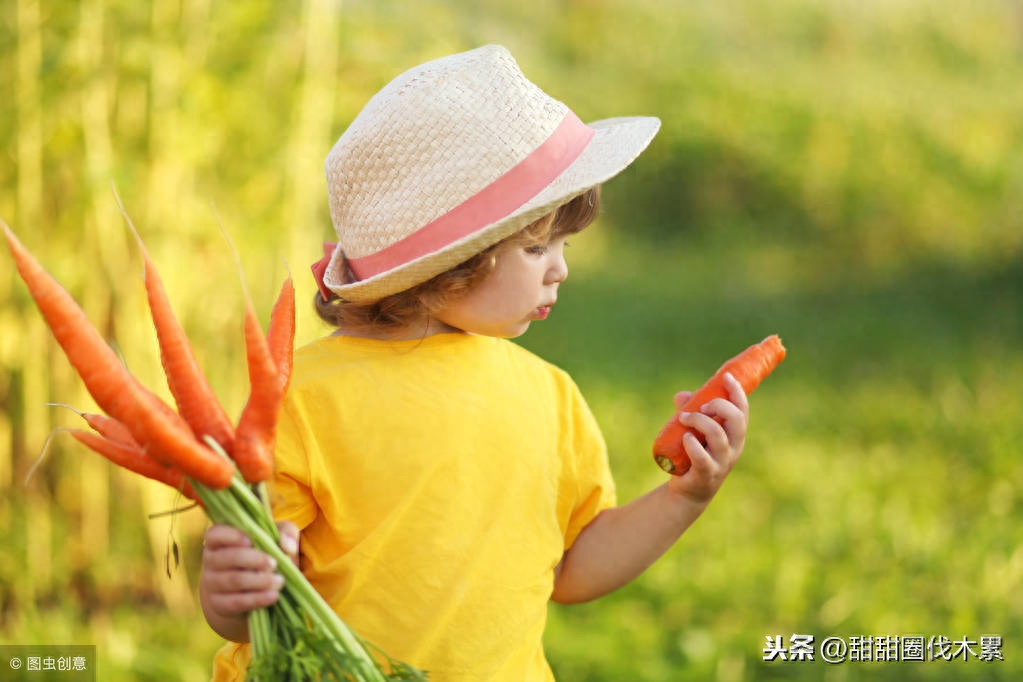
437, 483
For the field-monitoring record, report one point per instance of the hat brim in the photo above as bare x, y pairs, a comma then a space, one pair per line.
616, 143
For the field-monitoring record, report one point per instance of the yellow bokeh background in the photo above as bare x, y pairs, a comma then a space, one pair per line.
849, 175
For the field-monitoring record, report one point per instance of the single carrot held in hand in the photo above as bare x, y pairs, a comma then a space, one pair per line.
197, 403
157, 428
749, 367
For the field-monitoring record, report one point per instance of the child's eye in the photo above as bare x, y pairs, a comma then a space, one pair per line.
542, 249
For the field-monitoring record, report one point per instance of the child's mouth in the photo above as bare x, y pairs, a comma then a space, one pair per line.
542, 312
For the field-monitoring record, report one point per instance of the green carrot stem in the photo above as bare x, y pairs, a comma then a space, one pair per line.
263, 495
257, 510
260, 632
226, 507
286, 606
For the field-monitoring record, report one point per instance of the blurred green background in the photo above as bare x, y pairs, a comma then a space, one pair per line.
848, 175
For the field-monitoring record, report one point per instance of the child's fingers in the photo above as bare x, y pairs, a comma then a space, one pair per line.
289, 539
713, 432
226, 548
700, 461
681, 398
219, 536
239, 579
247, 559
239, 602
735, 393
234, 581
730, 416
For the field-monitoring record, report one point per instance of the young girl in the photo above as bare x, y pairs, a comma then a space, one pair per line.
448, 484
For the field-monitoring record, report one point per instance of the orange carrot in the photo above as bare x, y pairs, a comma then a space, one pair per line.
113, 388
134, 459
108, 427
257, 426
256, 432
281, 335
749, 367
196, 401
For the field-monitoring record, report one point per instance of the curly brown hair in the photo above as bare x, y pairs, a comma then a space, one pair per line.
397, 312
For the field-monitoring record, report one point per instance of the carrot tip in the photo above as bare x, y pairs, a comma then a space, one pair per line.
665, 463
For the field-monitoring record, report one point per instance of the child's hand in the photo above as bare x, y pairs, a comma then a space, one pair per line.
238, 578
712, 462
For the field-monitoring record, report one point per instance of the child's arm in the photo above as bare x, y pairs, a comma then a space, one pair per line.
621, 543
237, 578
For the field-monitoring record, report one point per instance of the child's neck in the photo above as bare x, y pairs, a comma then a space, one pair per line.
417, 330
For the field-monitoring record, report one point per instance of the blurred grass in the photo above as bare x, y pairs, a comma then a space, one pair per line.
848, 175
879, 489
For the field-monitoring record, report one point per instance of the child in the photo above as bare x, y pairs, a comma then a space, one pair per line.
446, 482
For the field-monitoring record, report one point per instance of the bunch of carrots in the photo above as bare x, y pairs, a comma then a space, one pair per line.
198, 451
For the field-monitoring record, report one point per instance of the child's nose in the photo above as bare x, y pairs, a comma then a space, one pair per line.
558, 272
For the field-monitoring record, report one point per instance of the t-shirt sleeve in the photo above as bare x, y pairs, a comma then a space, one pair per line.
589, 485
291, 492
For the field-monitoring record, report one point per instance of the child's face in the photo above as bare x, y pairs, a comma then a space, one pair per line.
522, 287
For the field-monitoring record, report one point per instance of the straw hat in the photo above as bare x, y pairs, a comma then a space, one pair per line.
451, 157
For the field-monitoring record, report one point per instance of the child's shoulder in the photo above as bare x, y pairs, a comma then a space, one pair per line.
337, 351
528, 356
559, 376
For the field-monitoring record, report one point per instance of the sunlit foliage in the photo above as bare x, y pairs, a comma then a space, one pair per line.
848, 175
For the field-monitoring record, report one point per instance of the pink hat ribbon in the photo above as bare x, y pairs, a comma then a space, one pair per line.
320, 267
495, 201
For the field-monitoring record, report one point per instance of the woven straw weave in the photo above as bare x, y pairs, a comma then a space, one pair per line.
436, 136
